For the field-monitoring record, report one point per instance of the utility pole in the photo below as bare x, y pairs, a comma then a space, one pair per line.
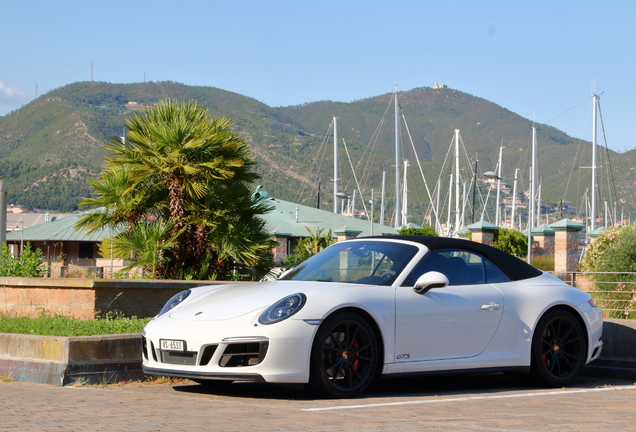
3, 212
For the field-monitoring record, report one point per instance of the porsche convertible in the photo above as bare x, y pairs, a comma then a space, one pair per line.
378, 307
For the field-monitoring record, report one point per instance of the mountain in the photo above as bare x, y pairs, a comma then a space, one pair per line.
49, 147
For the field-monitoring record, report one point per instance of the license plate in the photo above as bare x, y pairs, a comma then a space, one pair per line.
172, 345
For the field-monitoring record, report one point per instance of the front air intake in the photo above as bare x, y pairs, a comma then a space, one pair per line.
243, 354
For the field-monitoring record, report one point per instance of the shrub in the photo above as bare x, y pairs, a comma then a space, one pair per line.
612, 258
594, 254
426, 230
28, 264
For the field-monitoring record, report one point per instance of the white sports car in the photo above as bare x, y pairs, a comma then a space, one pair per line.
379, 306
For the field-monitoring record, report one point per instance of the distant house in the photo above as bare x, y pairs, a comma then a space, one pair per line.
65, 248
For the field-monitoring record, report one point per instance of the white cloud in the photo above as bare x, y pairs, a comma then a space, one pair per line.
11, 95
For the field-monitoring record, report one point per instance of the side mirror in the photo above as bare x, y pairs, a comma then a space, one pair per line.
430, 280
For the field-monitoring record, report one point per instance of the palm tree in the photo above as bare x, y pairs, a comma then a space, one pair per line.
145, 242
124, 209
182, 166
314, 243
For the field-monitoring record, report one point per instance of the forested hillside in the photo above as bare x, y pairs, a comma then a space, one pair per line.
49, 147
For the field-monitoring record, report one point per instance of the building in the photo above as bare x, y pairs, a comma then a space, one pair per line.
68, 250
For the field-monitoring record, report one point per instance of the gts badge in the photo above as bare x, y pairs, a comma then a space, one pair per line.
403, 356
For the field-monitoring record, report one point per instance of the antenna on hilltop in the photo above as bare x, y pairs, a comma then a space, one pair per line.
36, 90
92, 80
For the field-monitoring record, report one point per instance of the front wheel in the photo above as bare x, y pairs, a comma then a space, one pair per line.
559, 348
344, 356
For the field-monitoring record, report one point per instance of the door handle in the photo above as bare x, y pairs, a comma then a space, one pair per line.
490, 306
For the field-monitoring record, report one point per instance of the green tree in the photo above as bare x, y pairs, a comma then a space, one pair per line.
28, 264
426, 230
180, 166
511, 241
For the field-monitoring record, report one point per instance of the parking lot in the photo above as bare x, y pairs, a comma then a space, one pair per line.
489, 402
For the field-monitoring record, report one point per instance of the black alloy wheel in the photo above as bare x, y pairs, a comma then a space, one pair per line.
559, 348
344, 356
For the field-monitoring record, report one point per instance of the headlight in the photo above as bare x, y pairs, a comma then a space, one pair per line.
174, 301
283, 309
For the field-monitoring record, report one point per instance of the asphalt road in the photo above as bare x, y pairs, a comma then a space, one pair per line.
493, 402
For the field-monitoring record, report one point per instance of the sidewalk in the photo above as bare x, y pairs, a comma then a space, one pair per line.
484, 403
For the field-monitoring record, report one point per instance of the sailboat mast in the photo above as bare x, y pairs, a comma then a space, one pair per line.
382, 198
533, 192
335, 164
450, 200
539, 206
405, 195
398, 156
514, 200
593, 216
457, 181
438, 224
498, 211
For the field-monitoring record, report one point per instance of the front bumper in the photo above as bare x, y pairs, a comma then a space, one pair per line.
235, 350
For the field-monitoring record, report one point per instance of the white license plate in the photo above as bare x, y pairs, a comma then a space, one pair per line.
172, 345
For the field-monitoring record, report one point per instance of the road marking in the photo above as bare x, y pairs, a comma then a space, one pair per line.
473, 398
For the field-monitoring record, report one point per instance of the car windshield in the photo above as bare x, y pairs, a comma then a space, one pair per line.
366, 262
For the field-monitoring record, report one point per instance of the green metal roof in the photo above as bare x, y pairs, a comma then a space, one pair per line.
290, 220
566, 224
59, 230
544, 230
482, 225
596, 232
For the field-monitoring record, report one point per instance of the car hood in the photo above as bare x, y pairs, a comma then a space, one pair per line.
231, 301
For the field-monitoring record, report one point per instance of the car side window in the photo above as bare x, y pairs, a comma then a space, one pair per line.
494, 274
461, 267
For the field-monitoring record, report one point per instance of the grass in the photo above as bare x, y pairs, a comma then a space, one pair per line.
150, 380
59, 325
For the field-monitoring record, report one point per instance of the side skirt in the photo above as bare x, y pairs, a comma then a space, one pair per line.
513, 369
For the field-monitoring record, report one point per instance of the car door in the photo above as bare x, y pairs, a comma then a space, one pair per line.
456, 321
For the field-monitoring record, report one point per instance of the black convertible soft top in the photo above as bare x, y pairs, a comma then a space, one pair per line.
515, 268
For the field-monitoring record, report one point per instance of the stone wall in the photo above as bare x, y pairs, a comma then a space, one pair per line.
85, 298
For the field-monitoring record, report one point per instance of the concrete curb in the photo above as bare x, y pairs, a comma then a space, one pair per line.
67, 360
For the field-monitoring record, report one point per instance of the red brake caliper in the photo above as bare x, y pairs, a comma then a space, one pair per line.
354, 344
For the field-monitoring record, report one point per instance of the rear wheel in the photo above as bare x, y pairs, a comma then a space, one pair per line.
344, 356
559, 348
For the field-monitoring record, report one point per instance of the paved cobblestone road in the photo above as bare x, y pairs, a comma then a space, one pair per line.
468, 403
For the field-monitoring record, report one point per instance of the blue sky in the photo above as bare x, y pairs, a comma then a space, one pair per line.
539, 59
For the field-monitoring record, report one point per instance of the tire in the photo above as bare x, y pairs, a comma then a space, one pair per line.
559, 349
344, 356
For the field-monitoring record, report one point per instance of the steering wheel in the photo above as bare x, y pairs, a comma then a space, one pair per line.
387, 275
